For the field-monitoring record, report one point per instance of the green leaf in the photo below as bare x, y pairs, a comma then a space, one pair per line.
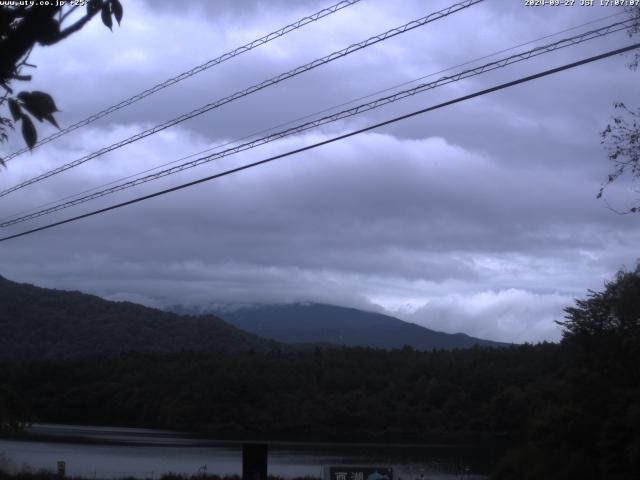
29, 131
45, 100
116, 8
49, 118
106, 15
14, 108
33, 111
39, 104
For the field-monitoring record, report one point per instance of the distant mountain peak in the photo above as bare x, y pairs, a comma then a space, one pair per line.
314, 322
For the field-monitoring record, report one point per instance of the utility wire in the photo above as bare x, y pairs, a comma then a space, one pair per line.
615, 27
272, 81
189, 73
311, 115
331, 140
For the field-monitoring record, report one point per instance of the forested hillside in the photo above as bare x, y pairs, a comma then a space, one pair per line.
39, 322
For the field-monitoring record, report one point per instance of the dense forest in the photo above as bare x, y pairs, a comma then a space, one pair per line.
569, 410
352, 393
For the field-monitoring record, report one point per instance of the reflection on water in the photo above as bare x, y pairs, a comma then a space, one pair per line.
97, 452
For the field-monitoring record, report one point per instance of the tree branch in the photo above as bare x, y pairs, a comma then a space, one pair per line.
24, 37
75, 27
67, 13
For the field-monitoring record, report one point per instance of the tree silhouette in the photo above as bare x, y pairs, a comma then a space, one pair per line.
614, 311
583, 420
22, 27
622, 135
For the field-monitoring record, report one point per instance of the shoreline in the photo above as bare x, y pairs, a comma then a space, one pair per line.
189, 439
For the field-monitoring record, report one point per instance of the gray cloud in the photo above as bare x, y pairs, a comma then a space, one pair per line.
508, 315
479, 218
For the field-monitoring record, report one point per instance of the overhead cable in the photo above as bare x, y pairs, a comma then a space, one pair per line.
272, 81
191, 72
217, 146
304, 117
330, 140
501, 63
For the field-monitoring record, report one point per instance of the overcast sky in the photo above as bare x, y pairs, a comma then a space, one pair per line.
479, 218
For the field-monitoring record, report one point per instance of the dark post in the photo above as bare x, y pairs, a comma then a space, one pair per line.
254, 461
62, 466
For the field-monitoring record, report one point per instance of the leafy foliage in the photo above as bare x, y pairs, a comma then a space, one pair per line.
22, 27
590, 428
634, 14
622, 135
612, 312
622, 138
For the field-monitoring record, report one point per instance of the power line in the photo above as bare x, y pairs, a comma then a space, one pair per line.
331, 118
567, 42
331, 140
311, 115
193, 71
272, 81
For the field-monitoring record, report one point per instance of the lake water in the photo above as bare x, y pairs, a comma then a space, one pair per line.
99, 452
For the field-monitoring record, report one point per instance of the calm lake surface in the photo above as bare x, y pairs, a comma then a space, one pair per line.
105, 452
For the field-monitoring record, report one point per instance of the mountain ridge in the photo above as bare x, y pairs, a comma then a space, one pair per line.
43, 322
309, 323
